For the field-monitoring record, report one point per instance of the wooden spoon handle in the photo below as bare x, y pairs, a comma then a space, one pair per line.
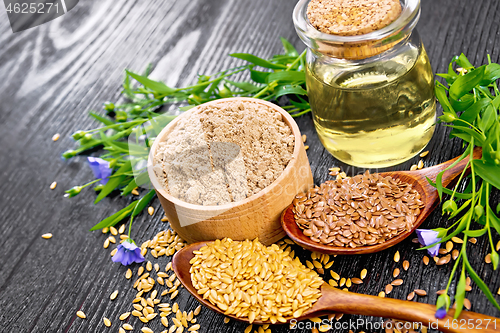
335, 300
452, 173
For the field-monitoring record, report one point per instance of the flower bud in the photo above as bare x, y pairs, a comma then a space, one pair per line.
449, 207
121, 116
69, 154
478, 211
448, 117
78, 135
108, 106
75, 190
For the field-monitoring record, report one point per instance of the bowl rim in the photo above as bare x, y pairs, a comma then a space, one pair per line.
166, 130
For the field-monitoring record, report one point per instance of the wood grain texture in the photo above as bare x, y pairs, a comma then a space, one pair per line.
53, 74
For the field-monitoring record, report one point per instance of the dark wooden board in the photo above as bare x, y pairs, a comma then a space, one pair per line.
53, 74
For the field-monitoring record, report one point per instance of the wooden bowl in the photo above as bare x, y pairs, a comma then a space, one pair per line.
257, 216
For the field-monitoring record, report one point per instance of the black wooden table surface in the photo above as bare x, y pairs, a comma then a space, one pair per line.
52, 75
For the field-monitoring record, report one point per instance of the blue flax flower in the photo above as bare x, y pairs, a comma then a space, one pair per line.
440, 313
128, 253
100, 168
427, 237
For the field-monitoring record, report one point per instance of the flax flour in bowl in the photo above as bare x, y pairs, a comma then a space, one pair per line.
228, 168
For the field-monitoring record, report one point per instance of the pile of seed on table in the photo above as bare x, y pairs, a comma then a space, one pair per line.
363, 210
250, 280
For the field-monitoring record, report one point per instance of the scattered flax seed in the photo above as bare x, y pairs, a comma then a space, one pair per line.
420, 292
348, 283
426, 260
151, 210
164, 219
113, 231
106, 243
149, 266
397, 282
468, 288
105, 230
128, 327
449, 246
146, 330
112, 239
406, 265
413, 167
113, 295
457, 240
47, 236
335, 275
440, 292
140, 271
114, 252
356, 280
425, 153
304, 138
306, 147
134, 192
487, 259
467, 304
106, 321
473, 240
342, 282
443, 251
124, 316
56, 137
53, 185
121, 330
454, 254
381, 294
388, 289
122, 229
410, 296
396, 272
420, 164
363, 273
226, 320
248, 329
208, 269
81, 314
498, 292
397, 256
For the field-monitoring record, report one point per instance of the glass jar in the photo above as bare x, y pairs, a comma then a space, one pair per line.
371, 95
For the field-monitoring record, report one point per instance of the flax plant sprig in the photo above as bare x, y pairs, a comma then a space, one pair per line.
470, 102
142, 115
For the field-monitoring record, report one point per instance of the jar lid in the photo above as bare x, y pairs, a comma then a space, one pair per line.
353, 18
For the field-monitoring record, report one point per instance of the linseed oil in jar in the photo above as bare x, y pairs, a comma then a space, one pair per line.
369, 83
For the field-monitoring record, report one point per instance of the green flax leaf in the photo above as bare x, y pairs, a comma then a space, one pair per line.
116, 217
289, 48
480, 283
460, 293
156, 86
464, 83
487, 171
257, 61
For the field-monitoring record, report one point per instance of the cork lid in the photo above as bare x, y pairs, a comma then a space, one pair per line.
353, 18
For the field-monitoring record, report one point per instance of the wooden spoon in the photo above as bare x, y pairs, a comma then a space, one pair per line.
417, 178
334, 300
